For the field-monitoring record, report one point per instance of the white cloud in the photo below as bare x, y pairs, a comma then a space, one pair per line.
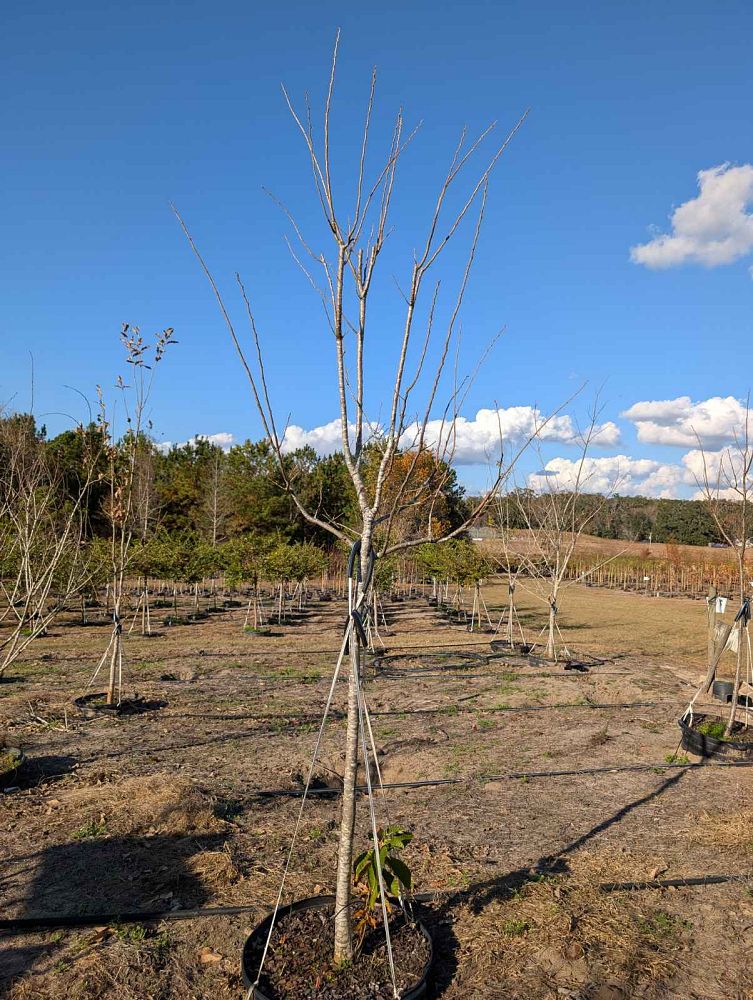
325, 440
472, 441
715, 472
712, 229
224, 439
611, 473
714, 422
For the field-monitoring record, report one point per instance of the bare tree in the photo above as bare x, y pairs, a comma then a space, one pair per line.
213, 506
726, 485
344, 280
42, 530
555, 517
127, 506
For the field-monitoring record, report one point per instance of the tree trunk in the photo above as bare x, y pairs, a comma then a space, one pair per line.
711, 601
343, 951
741, 637
113, 665
550, 643
343, 924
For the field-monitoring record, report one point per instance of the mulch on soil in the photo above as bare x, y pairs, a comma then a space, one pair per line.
299, 961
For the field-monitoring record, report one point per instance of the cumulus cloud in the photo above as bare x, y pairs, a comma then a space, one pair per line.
472, 441
611, 473
324, 440
713, 422
713, 229
224, 439
715, 473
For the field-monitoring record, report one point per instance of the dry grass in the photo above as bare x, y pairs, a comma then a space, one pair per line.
215, 869
116, 963
563, 933
727, 830
158, 803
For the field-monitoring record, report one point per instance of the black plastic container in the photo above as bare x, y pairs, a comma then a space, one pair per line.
722, 691
502, 646
8, 776
94, 706
260, 932
703, 745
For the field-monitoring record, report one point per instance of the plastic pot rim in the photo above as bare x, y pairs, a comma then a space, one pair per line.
320, 903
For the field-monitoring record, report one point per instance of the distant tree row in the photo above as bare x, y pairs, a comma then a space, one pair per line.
201, 492
685, 522
207, 495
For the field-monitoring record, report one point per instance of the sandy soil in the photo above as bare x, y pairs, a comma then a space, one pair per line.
163, 810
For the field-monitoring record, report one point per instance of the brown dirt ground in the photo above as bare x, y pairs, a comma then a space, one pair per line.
161, 810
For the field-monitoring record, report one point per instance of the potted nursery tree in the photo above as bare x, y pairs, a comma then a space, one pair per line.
357, 236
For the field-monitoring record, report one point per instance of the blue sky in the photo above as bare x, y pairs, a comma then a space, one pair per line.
113, 110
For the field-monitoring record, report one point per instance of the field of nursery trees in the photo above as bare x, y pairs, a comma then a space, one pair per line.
174, 704
291, 726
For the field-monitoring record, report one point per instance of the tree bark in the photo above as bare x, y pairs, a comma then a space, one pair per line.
343, 927
550, 644
741, 637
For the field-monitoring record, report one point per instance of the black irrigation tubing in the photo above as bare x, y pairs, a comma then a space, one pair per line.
26, 925
338, 716
460, 674
675, 883
509, 776
205, 654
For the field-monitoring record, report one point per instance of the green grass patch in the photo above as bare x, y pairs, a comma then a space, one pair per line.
92, 829
515, 928
713, 728
662, 925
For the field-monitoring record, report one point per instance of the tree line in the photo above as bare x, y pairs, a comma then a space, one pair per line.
629, 518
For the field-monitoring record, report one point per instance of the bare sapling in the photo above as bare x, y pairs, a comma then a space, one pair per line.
726, 485
554, 517
43, 529
124, 506
344, 277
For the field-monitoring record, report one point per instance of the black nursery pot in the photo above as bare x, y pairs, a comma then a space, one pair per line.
259, 934
94, 706
723, 691
703, 745
12, 759
501, 646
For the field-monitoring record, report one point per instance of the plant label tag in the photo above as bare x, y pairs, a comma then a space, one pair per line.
721, 605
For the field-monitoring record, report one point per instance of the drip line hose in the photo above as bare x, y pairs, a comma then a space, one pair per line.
675, 883
509, 776
451, 710
204, 654
27, 925
24, 925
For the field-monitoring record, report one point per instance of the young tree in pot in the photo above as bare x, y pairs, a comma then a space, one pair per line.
308, 561
349, 279
279, 569
725, 479
192, 560
470, 569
